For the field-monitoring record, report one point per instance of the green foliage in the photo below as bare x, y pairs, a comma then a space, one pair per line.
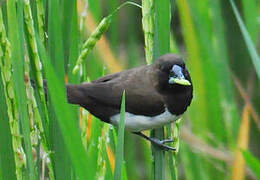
92, 40
96, 35
64, 116
120, 142
161, 46
253, 162
15, 31
43, 41
249, 42
7, 164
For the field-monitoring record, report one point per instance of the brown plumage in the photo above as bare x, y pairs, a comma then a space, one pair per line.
148, 91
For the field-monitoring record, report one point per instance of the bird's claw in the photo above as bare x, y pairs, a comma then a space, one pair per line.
161, 144
167, 148
166, 141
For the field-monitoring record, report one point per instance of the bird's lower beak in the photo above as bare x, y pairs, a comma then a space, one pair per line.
180, 81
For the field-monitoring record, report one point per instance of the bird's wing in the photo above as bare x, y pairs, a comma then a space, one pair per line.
106, 78
141, 97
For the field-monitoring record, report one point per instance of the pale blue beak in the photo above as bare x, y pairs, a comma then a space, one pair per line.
177, 77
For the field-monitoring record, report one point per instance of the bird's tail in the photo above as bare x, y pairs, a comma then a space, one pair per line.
74, 94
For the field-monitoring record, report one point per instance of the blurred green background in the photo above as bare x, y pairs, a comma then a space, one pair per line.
207, 35
221, 123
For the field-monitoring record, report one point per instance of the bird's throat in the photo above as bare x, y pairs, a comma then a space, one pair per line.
177, 104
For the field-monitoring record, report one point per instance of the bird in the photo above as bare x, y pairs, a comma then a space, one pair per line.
155, 95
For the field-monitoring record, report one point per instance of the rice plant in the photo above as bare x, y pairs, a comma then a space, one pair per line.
69, 41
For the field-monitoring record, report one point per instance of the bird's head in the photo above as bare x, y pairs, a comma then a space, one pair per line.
172, 74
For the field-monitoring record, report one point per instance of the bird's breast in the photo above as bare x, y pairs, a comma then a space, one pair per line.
136, 123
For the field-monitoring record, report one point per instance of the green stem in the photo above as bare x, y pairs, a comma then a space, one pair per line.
148, 28
156, 26
176, 137
40, 19
39, 79
96, 35
15, 34
149, 31
36, 58
7, 76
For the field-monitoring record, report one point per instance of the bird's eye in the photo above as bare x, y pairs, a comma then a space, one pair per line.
165, 68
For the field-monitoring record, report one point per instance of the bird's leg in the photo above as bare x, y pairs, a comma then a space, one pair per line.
158, 142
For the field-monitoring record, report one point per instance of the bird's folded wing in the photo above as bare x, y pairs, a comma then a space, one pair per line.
141, 97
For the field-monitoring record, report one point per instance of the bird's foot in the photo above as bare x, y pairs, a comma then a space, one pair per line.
158, 142
167, 141
161, 144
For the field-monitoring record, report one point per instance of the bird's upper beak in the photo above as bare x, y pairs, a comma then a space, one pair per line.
177, 77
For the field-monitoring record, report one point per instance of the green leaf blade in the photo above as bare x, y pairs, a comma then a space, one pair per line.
65, 119
120, 142
15, 36
7, 163
249, 42
252, 162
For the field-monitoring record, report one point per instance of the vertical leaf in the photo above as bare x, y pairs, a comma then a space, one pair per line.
229, 107
253, 162
95, 8
12, 109
148, 27
7, 164
161, 46
238, 168
74, 43
195, 65
55, 43
65, 118
120, 142
62, 163
68, 24
113, 30
249, 43
250, 13
18, 66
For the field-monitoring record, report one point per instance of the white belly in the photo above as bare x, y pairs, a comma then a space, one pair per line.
136, 123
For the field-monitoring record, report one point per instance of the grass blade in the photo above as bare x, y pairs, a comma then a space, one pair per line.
222, 60
120, 142
12, 109
65, 119
250, 12
249, 43
67, 24
95, 8
74, 43
195, 65
55, 44
103, 46
18, 65
94, 144
40, 19
253, 162
161, 46
113, 30
62, 165
7, 164
91, 41
238, 167
43, 119
162, 28
148, 28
